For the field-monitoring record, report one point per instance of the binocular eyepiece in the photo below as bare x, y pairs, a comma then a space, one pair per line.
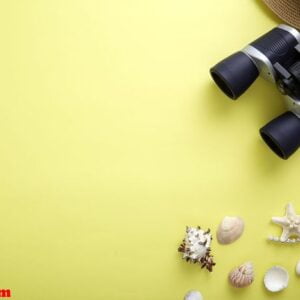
276, 57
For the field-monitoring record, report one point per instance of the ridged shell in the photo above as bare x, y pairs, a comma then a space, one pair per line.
230, 229
193, 295
276, 279
242, 276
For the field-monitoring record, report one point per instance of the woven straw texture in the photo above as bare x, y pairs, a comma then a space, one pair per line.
287, 10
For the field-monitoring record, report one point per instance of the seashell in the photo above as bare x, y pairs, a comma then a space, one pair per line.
276, 279
193, 295
242, 276
195, 247
230, 229
298, 268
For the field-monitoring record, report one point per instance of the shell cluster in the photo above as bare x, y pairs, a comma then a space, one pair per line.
196, 247
242, 276
230, 229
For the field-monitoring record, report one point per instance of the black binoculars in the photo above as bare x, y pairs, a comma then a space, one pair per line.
275, 56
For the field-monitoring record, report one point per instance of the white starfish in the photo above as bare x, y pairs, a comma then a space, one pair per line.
290, 224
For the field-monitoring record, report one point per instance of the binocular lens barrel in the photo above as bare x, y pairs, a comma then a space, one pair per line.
282, 134
234, 74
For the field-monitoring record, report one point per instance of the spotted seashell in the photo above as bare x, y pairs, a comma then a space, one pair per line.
242, 276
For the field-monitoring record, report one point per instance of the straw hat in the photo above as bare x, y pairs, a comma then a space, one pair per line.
287, 10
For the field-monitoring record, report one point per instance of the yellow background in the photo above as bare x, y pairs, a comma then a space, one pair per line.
114, 138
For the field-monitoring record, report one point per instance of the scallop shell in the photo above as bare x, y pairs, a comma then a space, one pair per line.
230, 229
298, 268
193, 295
242, 276
276, 279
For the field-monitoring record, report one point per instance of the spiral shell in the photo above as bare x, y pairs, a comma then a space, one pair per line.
195, 247
230, 229
242, 276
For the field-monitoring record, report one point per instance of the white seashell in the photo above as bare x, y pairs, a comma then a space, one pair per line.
242, 276
195, 247
276, 279
193, 295
230, 229
298, 268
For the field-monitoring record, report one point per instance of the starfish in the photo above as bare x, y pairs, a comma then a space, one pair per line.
290, 224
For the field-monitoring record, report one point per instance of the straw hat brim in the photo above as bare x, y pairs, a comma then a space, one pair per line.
287, 10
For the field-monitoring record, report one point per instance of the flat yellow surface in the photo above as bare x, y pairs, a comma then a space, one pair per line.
114, 138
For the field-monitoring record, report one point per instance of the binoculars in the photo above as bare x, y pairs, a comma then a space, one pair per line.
276, 57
